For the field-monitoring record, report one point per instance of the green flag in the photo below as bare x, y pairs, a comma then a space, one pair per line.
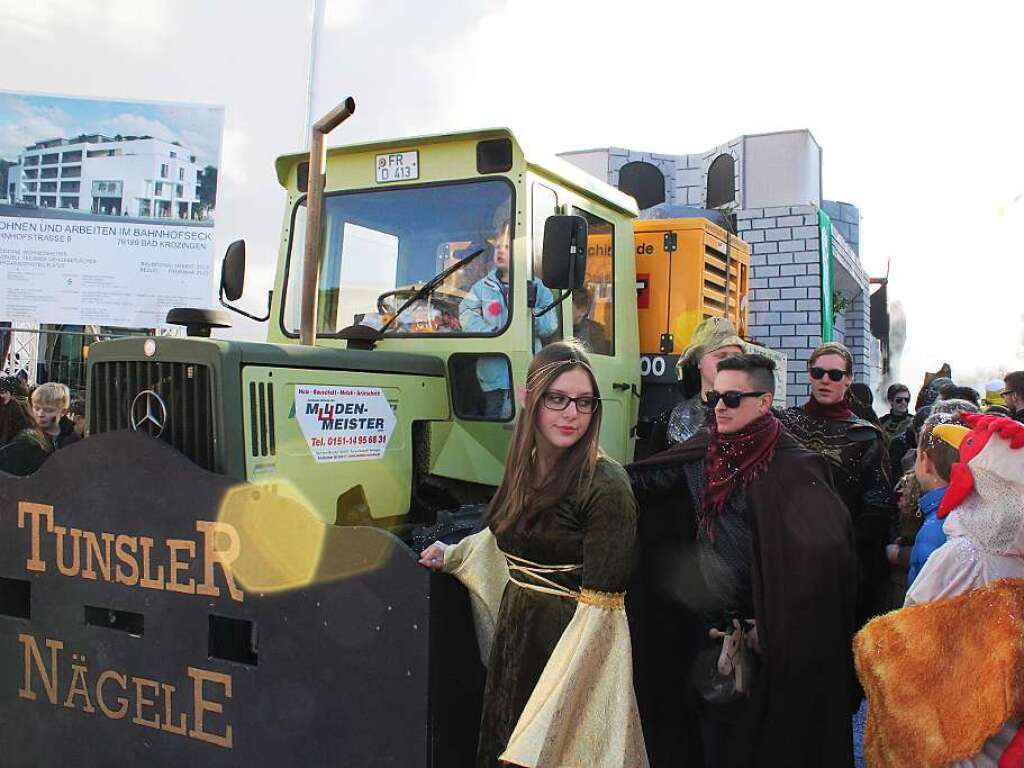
825, 236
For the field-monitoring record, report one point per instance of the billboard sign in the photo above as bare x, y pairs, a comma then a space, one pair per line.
85, 238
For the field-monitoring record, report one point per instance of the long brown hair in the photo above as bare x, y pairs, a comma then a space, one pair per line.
522, 495
14, 418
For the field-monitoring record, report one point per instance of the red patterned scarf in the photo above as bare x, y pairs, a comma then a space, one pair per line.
834, 411
736, 458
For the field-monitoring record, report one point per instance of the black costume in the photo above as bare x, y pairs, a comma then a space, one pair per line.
896, 425
899, 431
786, 542
859, 458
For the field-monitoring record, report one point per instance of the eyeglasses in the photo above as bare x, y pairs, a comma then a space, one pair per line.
901, 399
556, 401
729, 399
836, 374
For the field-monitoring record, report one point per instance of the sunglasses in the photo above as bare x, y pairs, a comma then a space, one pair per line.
836, 374
556, 401
729, 399
901, 399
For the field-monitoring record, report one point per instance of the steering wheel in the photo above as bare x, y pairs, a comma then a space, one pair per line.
383, 308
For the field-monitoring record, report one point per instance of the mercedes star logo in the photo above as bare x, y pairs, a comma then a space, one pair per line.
148, 413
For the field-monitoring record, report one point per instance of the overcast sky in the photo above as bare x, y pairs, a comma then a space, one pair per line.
918, 109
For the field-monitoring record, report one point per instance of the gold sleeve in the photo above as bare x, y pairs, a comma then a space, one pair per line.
477, 562
583, 710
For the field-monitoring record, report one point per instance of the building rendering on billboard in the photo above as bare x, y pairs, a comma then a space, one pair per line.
119, 176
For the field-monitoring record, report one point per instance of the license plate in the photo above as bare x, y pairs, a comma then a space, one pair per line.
398, 166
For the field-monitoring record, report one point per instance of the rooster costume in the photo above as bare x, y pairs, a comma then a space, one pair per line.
945, 676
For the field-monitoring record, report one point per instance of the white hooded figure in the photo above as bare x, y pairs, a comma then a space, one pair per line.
984, 526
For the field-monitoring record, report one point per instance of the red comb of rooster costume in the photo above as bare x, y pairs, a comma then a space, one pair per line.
961, 481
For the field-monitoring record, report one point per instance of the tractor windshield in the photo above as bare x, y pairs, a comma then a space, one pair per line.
380, 245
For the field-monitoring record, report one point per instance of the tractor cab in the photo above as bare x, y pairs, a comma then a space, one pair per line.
441, 265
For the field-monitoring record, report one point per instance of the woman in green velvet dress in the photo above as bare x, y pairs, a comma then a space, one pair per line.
549, 574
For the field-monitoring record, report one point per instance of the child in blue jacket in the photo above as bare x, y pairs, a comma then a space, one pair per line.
486, 310
938, 451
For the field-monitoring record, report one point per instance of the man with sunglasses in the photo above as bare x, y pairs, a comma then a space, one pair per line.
858, 455
899, 418
898, 425
1013, 394
742, 606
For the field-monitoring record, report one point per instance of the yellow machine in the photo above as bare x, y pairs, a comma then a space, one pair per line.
687, 270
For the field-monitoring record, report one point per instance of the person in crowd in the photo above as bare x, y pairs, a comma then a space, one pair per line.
14, 417
983, 509
590, 332
23, 446
898, 420
1013, 393
486, 310
76, 413
743, 604
908, 495
997, 410
954, 406
12, 393
929, 391
938, 452
993, 395
909, 491
957, 392
859, 459
12, 387
50, 404
974, 684
712, 341
550, 571
927, 397
861, 402
897, 425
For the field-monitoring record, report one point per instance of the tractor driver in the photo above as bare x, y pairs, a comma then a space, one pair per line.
485, 310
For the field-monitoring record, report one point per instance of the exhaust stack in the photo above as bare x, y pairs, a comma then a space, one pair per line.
314, 211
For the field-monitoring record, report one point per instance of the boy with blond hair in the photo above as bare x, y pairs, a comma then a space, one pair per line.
50, 404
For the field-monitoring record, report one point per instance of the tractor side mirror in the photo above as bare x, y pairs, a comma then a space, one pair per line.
232, 273
232, 280
564, 257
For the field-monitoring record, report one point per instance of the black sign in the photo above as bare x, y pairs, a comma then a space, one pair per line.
153, 613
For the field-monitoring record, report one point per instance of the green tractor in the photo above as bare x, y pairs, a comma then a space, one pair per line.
243, 589
384, 241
